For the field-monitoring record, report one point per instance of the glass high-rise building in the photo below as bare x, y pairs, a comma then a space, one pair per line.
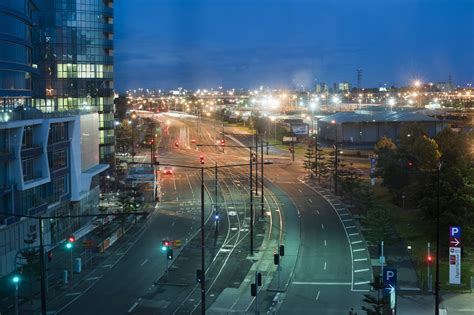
15, 55
73, 42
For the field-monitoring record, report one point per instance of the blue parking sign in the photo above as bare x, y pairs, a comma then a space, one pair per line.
455, 231
390, 280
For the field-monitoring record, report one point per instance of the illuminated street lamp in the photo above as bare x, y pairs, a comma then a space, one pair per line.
391, 102
16, 281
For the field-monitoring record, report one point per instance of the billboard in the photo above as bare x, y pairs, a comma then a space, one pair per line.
300, 129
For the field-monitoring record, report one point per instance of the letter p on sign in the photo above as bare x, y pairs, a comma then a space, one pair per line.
455, 231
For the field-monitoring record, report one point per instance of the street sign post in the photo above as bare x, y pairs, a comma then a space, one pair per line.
390, 281
455, 255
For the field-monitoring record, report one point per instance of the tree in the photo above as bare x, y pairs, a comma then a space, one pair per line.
350, 180
123, 135
309, 164
383, 145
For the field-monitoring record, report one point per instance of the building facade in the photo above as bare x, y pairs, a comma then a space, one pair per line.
49, 154
73, 42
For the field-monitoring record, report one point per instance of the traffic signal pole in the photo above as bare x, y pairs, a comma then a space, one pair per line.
261, 175
203, 273
251, 206
42, 268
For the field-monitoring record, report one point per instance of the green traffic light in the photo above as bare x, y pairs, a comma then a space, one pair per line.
16, 279
164, 248
68, 245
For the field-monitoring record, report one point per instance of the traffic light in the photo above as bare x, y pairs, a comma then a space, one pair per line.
222, 142
165, 244
169, 253
429, 259
259, 279
70, 242
276, 259
201, 159
282, 250
16, 279
253, 289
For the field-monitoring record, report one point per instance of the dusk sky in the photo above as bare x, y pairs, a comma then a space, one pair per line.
163, 44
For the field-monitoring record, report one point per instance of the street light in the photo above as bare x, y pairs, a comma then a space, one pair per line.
335, 157
16, 281
391, 102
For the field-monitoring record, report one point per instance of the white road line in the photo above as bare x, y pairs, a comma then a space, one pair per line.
356, 242
145, 261
362, 270
73, 294
353, 234
351, 227
325, 265
317, 295
360, 259
358, 250
317, 211
322, 226
132, 307
362, 282
92, 278
300, 190
321, 283
346, 220
107, 266
173, 223
310, 201
344, 214
325, 244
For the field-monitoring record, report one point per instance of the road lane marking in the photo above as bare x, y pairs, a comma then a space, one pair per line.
362, 270
92, 278
350, 227
353, 234
325, 244
344, 214
317, 211
358, 250
300, 190
356, 242
107, 266
325, 265
322, 226
317, 295
360, 259
310, 201
132, 307
321, 283
362, 282
173, 223
145, 261
346, 220
73, 294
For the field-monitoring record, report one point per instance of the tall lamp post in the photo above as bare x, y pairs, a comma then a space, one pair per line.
335, 157
16, 281
437, 241
133, 116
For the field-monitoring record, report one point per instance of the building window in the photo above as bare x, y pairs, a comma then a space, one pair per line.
59, 187
27, 137
57, 160
27, 166
57, 133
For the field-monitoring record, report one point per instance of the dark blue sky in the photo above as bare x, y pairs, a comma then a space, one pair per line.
289, 43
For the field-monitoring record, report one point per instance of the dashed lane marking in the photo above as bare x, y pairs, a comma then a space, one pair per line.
360, 259
356, 242
358, 250
132, 307
362, 270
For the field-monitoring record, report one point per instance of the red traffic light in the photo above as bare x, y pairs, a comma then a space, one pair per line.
222, 142
71, 239
201, 158
429, 258
165, 243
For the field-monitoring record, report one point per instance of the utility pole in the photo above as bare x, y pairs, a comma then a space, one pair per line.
261, 175
203, 267
216, 217
256, 165
251, 206
42, 268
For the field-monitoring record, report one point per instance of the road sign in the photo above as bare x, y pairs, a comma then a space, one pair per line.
455, 231
454, 265
177, 243
454, 242
390, 282
455, 255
